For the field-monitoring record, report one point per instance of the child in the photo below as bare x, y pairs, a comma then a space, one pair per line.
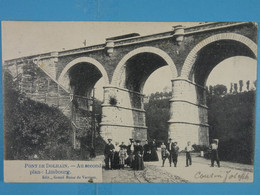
122, 156
165, 153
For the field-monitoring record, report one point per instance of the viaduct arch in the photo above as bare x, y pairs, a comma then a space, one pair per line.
189, 63
64, 79
125, 62
126, 87
188, 103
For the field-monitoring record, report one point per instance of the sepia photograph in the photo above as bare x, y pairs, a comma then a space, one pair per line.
139, 102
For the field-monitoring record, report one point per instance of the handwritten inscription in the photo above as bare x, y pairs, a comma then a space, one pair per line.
227, 176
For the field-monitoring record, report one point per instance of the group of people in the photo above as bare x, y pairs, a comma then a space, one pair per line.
150, 151
134, 155
171, 151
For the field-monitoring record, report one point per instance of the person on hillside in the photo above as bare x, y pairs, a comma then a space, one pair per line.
169, 149
138, 163
109, 154
164, 152
188, 150
214, 152
175, 152
154, 155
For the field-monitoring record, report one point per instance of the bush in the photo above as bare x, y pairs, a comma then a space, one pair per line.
231, 119
33, 130
198, 148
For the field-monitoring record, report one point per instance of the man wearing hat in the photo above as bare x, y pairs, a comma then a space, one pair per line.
109, 153
188, 150
175, 151
214, 152
169, 148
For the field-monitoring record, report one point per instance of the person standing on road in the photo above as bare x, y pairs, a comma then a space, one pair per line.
164, 153
188, 150
116, 156
122, 156
169, 148
147, 151
154, 155
175, 151
130, 153
138, 163
214, 152
109, 154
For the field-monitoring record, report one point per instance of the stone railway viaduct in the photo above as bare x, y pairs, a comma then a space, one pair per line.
125, 63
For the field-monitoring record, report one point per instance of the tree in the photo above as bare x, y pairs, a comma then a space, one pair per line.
241, 84
210, 90
152, 96
220, 90
247, 85
161, 95
235, 87
157, 95
231, 88
231, 119
157, 115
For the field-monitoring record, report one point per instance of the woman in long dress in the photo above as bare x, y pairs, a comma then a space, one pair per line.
154, 155
116, 157
147, 151
130, 153
138, 157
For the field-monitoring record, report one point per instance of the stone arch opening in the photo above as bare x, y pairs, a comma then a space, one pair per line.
142, 56
199, 63
127, 88
135, 68
214, 53
139, 68
80, 76
228, 44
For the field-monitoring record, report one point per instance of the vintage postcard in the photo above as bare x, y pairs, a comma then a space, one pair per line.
129, 102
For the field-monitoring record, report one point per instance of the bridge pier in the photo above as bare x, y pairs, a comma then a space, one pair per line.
188, 113
123, 115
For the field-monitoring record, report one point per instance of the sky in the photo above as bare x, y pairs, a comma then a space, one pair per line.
232, 70
28, 38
